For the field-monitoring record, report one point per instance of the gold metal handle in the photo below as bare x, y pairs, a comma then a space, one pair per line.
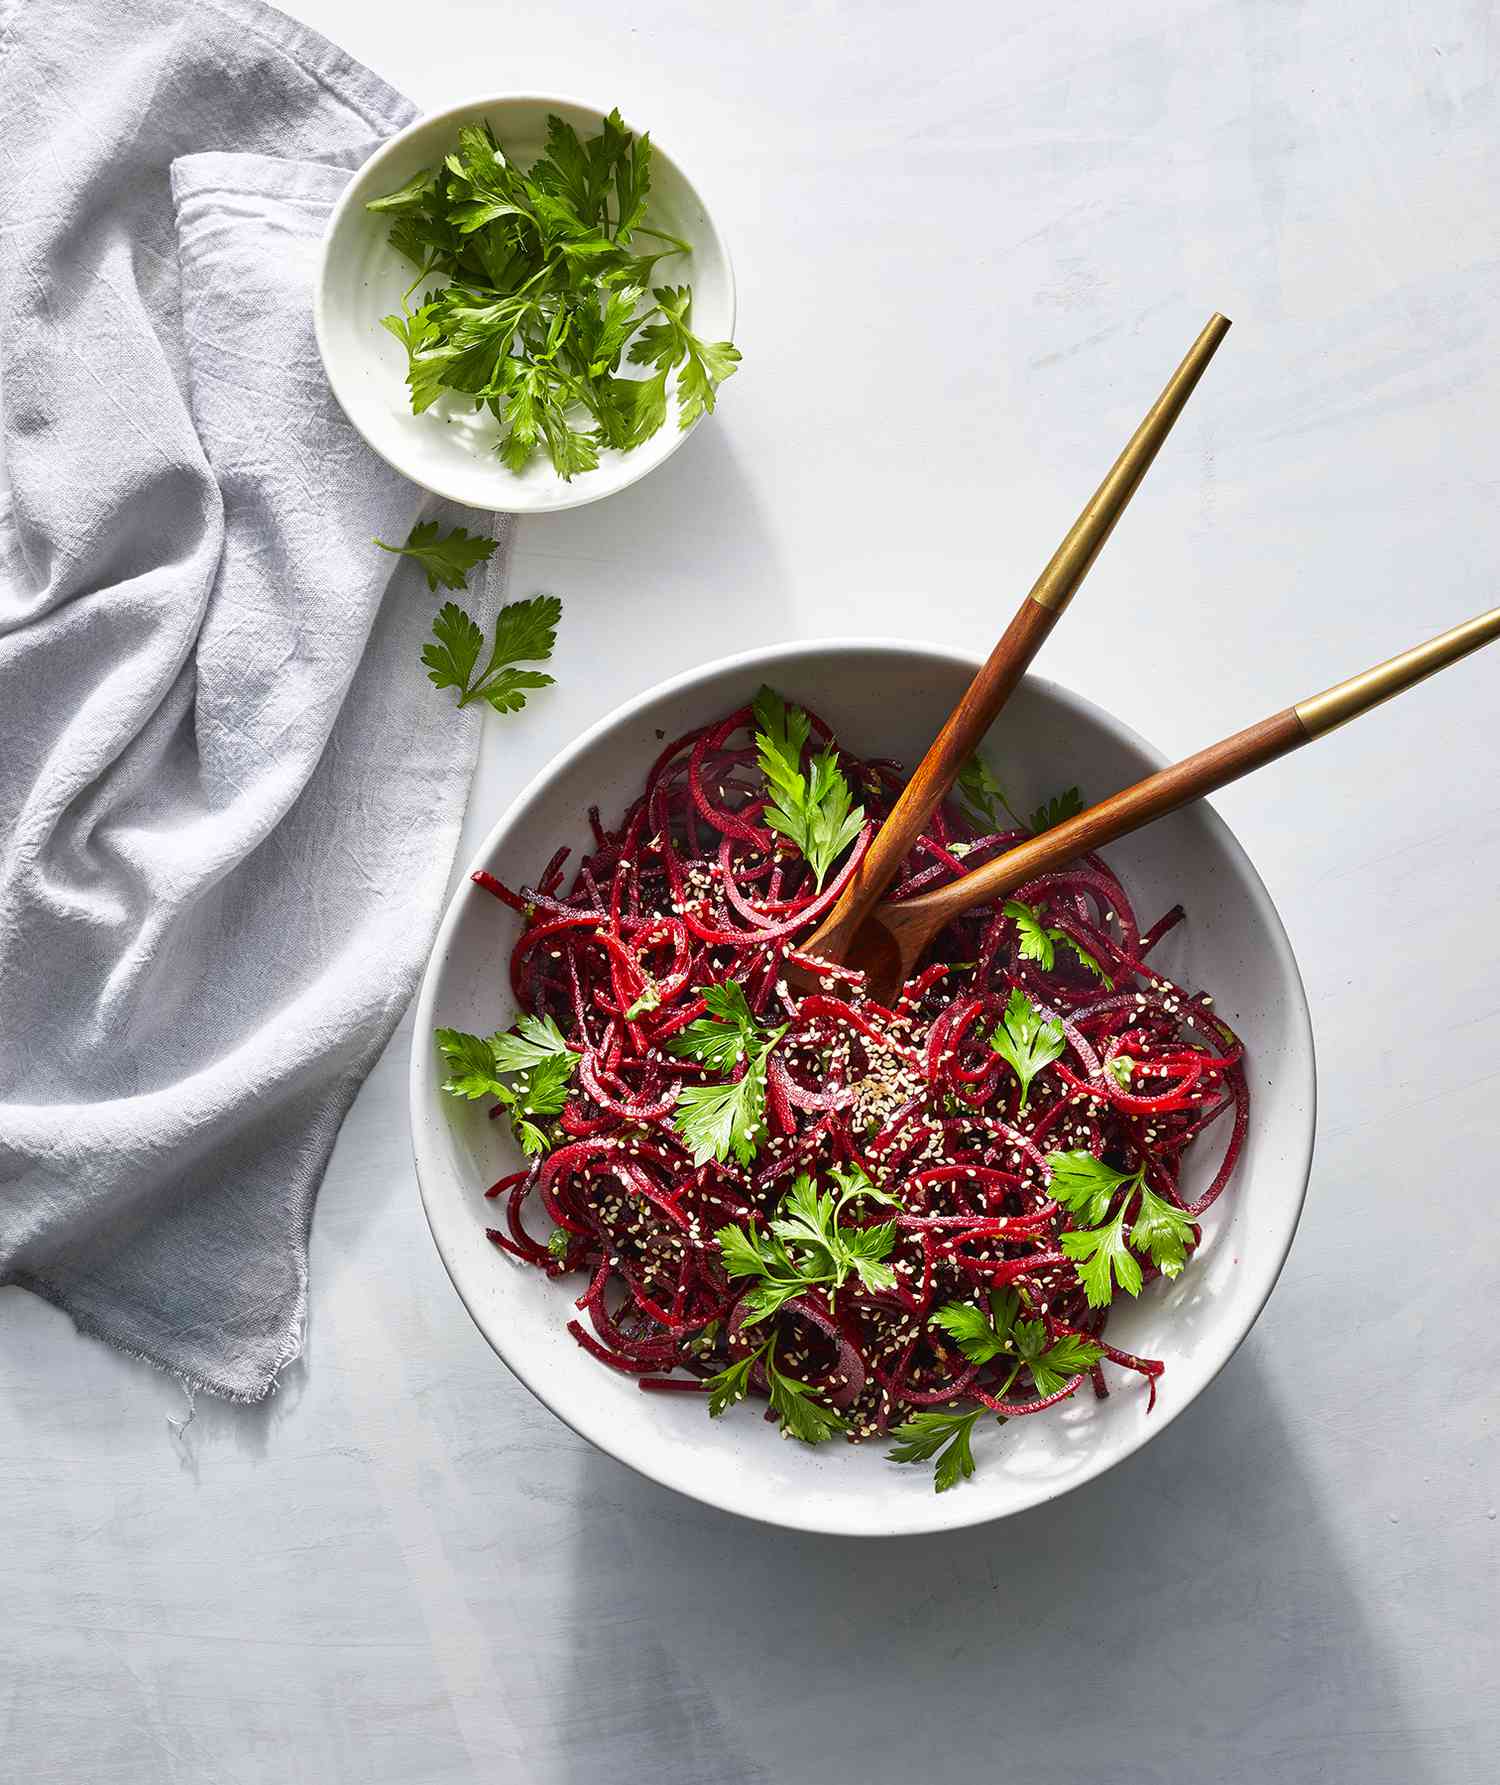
1347, 700
1069, 564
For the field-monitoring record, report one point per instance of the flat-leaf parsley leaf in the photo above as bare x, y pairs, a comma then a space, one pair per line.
524, 631
943, 1435
447, 558
1027, 1041
814, 810
537, 1060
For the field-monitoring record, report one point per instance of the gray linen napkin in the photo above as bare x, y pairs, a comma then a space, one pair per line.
229, 800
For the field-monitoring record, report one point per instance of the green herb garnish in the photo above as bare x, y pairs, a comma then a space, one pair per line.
982, 1334
799, 1414
534, 1056
1039, 943
447, 558
1052, 812
807, 1246
813, 810
1088, 1189
981, 792
1099, 1253
1026, 1041
985, 798
525, 631
943, 1435
538, 293
1163, 1231
717, 1120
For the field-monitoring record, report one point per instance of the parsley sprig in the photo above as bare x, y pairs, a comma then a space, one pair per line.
1037, 942
1053, 812
539, 293
447, 558
798, 1412
525, 631
808, 1247
534, 1056
985, 1333
717, 1120
1027, 1041
982, 1334
814, 809
942, 1434
986, 798
1088, 1188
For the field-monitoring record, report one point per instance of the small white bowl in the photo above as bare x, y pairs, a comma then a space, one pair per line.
887, 699
450, 448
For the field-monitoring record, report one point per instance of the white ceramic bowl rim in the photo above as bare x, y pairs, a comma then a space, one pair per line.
647, 1455
625, 468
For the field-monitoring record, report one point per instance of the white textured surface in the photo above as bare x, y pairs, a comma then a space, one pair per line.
402, 1569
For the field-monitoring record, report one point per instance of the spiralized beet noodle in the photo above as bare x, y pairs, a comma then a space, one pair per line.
691, 890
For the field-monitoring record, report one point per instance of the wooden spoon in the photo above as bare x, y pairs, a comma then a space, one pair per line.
890, 942
1022, 639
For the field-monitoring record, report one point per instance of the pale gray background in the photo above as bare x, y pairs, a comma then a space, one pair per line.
970, 246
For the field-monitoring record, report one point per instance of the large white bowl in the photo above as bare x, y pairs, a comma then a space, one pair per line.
888, 699
449, 449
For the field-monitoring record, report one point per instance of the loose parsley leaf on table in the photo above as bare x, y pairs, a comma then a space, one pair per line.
525, 631
813, 810
447, 558
1027, 1042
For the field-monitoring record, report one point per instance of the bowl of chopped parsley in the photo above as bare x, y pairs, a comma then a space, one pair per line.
523, 304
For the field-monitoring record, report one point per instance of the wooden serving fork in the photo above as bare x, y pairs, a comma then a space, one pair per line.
892, 938
1008, 662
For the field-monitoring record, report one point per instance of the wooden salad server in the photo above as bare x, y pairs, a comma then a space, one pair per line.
893, 938
1008, 662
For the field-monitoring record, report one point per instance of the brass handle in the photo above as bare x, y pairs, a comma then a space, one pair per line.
1347, 700
1069, 564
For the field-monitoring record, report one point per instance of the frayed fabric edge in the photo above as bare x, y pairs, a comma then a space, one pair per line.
92, 1327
